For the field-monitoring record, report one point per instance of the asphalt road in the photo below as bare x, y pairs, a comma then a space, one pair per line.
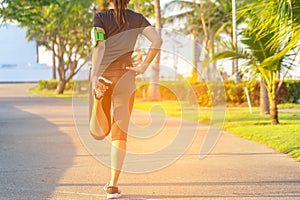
45, 154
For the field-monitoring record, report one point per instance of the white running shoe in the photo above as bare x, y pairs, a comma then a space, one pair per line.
112, 192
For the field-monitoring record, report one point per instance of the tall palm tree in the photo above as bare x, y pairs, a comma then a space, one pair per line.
272, 37
279, 19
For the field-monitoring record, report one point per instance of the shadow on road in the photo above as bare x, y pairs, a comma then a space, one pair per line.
34, 153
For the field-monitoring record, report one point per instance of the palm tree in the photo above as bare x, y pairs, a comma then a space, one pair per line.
272, 38
284, 42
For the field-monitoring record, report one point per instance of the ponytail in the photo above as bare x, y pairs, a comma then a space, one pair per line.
120, 14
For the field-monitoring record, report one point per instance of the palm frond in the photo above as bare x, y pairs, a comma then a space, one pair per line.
229, 55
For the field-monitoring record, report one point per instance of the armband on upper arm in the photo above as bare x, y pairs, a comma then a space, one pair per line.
97, 35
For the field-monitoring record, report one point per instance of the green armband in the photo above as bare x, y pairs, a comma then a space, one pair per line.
97, 35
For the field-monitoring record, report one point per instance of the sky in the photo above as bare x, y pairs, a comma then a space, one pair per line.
14, 48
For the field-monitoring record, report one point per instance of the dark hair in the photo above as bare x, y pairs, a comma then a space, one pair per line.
120, 7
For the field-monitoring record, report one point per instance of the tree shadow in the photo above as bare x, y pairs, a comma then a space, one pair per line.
34, 153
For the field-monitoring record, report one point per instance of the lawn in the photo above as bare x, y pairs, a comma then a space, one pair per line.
51, 93
284, 137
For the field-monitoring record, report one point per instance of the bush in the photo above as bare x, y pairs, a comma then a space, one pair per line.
52, 84
292, 90
235, 92
203, 94
47, 84
169, 90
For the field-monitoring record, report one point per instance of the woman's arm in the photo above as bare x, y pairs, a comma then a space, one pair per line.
152, 35
98, 53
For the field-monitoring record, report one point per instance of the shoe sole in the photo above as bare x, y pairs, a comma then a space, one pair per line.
113, 196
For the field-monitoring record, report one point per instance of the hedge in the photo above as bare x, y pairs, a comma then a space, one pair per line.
205, 94
52, 84
209, 93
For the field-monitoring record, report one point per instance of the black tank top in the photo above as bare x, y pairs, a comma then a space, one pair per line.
120, 39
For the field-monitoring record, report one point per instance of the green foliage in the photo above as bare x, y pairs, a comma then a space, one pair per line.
169, 90
202, 93
235, 92
278, 18
47, 84
102, 4
292, 89
272, 40
146, 7
52, 84
272, 36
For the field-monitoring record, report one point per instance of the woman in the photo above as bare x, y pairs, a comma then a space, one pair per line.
113, 78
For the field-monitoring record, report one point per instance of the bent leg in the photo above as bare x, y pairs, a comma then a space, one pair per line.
100, 122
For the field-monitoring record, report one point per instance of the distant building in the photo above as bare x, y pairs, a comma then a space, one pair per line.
15, 49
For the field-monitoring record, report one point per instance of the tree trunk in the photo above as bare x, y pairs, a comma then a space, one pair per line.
62, 77
53, 61
272, 99
234, 41
263, 98
37, 55
214, 70
153, 93
273, 109
61, 85
196, 55
61, 67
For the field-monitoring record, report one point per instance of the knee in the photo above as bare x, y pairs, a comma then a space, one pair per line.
99, 135
118, 133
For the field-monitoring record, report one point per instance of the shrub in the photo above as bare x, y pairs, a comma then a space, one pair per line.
52, 84
293, 91
203, 94
235, 93
47, 84
169, 90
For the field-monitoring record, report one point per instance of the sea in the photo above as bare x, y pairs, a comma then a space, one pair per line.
15, 73
28, 73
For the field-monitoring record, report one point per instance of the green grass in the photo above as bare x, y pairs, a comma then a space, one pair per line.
51, 93
284, 137
289, 106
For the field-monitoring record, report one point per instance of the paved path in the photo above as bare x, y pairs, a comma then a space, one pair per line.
43, 157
